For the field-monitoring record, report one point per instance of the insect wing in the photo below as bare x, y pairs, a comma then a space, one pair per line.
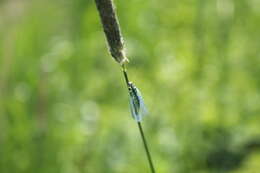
137, 106
142, 110
133, 109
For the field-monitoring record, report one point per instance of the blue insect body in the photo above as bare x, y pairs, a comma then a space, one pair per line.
137, 106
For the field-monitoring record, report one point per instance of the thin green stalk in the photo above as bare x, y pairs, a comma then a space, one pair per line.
149, 157
115, 41
146, 147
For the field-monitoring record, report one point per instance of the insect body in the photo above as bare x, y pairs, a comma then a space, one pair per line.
137, 106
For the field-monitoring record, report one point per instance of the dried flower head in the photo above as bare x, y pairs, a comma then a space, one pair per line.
112, 31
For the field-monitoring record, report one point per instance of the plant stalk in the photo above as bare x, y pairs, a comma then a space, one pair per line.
140, 128
146, 148
115, 41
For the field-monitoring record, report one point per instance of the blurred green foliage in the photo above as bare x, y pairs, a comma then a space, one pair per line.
64, 105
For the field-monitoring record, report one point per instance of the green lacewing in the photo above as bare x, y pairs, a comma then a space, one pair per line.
137, 106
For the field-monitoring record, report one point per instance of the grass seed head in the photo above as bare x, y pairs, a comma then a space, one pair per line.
112, 31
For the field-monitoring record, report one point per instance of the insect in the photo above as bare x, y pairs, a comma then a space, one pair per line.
137, 106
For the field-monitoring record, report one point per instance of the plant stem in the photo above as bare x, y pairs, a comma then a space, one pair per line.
115, 41
146, 147
125, 75
140, 128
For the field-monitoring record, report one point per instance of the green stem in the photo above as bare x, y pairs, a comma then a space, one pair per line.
146, 147
140, 128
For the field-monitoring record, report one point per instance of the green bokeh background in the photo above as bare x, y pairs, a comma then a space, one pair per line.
64, 104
